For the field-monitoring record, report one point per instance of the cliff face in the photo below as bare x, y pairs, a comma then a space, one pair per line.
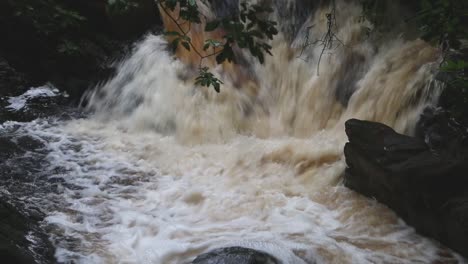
423, 179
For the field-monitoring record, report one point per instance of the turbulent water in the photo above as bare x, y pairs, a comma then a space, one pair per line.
165, 170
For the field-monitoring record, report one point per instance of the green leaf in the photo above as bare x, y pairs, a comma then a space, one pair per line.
175, 43
211, 43
186, 45
216, 86
172, 33
206, 78
210, 26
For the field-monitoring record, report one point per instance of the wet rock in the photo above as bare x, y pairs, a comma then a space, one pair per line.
8, 149
21, 238
442, 131
422, 179
235, 255
351, 70
38, 107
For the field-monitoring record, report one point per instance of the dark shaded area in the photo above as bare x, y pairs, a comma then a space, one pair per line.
22, 240
235, 255
70, 43
422, 178
297, 13
454, 98
350, 72
13, 83
10, 80
225, 8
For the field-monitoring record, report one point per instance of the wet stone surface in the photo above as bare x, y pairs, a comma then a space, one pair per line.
235, 255
422, 179
22, 238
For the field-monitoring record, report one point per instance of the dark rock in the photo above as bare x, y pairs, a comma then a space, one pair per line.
8, 149
441, 131
235, 255
21, 238
424, 181
38, 107
350, 71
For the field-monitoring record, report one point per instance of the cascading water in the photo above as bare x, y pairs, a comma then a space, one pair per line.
165, 170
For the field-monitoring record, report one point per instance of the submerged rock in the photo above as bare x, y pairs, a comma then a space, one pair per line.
235, 255
422, 179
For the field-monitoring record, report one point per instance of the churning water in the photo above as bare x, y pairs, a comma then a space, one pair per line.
164, 170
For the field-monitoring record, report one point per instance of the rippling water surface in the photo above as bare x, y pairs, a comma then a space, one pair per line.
162, 171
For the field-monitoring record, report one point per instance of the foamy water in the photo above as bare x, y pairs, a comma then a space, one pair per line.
145, 198
163, 170
132, 197
19, 102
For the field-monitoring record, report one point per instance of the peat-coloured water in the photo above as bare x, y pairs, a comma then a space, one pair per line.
161, 170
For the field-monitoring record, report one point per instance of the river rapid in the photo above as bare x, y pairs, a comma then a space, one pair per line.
160, 170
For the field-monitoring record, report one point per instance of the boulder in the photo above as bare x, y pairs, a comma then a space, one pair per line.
235, 255
423, 179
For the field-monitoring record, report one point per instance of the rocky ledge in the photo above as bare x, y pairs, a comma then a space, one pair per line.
423, 179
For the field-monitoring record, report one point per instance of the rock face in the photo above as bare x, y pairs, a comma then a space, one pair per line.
423, 179
235, 255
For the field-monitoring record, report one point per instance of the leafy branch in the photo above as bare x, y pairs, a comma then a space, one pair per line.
250, 29
206, 78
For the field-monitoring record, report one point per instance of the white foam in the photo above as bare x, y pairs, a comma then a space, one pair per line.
167, 171
145, 198
19, 102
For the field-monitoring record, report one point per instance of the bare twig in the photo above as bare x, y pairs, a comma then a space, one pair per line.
328, 38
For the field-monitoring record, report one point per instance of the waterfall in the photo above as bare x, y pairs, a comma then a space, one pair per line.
388, 81
168, 170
